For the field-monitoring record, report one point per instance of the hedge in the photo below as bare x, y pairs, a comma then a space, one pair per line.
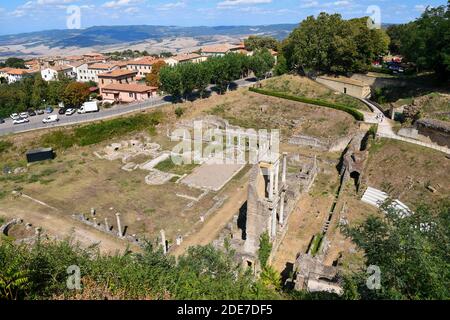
352, 111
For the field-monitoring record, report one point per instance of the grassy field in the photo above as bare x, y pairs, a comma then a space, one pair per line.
305, 87
253, 110
405, 170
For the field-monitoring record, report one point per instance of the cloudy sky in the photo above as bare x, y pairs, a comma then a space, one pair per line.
33, 15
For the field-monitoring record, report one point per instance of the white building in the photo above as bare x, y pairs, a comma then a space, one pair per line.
93, 70
13, 75
52, 73
184, 58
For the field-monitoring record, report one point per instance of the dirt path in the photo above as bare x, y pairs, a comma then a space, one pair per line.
56, 224
210, 230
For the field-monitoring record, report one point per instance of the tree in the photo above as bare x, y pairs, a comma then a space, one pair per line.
75, 94
261, 63
187, 72
426, 41
39, 91
260, 42
411, 252
152, 78
15, 63
330, 44
281, 67
202, 78
171, 82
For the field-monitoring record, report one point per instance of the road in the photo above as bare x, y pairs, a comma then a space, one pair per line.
36, 122
386, 125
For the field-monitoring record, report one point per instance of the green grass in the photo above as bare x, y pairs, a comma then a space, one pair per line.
5, 145
316, 243
101, 131
168, 166
350, 110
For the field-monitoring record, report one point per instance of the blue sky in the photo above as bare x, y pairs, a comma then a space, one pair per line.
34, 15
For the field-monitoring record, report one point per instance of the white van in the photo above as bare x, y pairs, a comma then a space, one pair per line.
50, 119
87, 107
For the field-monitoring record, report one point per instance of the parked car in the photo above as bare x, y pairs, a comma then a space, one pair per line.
70, 111
62, 110
15, 116
40, 111
48, 109
23, 115
20, 121
2, 120
31, 112
50, 119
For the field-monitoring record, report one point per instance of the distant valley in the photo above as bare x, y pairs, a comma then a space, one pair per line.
154, 39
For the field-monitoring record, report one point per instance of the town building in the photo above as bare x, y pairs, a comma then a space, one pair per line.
94, 69
184, 58
12, 75
127, 92
220, 50
142, 66
53, 73
352, 87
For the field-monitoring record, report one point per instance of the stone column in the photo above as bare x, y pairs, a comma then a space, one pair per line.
271, 183
119, 225
274, 223
283, 177
163, 241
282, 208
106, 224
277, 173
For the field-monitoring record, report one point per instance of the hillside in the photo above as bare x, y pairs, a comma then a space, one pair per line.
103, 37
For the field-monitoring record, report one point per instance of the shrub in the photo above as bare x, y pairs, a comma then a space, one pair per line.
355, 113
5, 145
179, 111
265, 247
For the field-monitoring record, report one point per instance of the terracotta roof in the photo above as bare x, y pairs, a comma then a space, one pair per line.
129, 87
144, 61
117, 73
102, 66
5, 70
61, 68
186, 57
119, 63
74, 58
219, 48
17, 71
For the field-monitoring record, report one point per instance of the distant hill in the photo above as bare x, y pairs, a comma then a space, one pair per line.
111, 35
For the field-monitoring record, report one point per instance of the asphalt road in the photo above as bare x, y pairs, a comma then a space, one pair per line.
36, 122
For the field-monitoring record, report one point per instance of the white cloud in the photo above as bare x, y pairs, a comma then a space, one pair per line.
119, 3
233, 3
172, 5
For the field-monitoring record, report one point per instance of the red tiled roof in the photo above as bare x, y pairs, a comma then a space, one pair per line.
117, 73
186, 57
102, 66
144, 61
